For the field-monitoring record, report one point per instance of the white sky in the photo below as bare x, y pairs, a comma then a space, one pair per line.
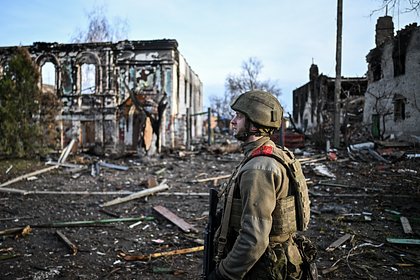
217, 36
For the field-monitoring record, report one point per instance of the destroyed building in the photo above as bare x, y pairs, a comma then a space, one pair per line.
313, 105
392, 100
121, 95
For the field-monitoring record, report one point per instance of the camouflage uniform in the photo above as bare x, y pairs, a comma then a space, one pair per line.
251, 251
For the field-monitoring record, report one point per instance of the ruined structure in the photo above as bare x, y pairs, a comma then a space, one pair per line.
313, 105
120, 95
392, 104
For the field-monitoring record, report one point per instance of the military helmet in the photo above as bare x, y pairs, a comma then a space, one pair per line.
261, 107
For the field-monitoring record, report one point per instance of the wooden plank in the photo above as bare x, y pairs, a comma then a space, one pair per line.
9, 190
184, 193
186, 227
148, 134
70, 244
66, 151
69, 165
29, 175
338, 242
211, 179
161, 254
79, 192
406, 225
140, 194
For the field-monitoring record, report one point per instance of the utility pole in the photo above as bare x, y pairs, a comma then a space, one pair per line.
337, 87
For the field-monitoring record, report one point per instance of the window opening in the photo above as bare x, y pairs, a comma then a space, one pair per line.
88, 78
48, 76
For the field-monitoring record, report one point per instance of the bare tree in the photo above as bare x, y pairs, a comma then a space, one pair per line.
399, 6
247, 79
100, 29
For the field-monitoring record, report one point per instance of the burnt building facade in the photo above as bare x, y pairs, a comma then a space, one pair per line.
313, 104
120, 95
392, 104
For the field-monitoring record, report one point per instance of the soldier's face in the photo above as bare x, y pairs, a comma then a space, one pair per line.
238, 123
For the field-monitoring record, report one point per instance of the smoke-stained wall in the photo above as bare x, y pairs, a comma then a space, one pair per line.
97, 82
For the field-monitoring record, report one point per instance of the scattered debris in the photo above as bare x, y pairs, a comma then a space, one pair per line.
23, 177
162, 186
338, 242
186, 227
211, 179
322, 170
406, 225
66, 151
403, 241
160, 254
70, 244
9, 190
23, 231
8, 169
113, 166
360, 194
91, 222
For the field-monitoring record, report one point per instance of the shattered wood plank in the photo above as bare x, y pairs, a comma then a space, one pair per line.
9, 190
406, 225
70, 244
79, 192
161, 254
29, 175
69, 165
109, 213
363, 195
8, 169
211, 179
179, 222
184, 193
329, 270
160, 171
25, 230
330, 184
338, 242
404, 241
11, 231
312, 160
91, 222
133, 196
66, 151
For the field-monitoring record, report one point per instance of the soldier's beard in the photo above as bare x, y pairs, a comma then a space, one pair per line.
241, 136
243, 133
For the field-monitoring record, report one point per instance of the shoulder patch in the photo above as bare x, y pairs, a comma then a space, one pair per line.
263, 150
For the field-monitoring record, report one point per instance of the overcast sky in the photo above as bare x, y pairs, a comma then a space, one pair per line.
217, 36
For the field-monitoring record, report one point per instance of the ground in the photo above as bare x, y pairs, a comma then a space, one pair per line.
364, 199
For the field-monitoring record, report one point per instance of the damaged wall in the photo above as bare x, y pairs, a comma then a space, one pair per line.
94, 82
392, 106
313, 104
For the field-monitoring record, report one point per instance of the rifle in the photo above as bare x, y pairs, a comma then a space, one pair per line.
212, 225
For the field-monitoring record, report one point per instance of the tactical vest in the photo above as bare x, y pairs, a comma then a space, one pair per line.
291, 213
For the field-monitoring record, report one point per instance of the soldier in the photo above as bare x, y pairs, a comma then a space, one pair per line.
256, 237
